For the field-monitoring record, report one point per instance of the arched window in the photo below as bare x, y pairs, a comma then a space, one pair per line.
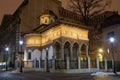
66, 50
75, 51
29, 55
45, 20
83, 57
58, 50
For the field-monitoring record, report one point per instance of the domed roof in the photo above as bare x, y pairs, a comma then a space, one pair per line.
49, 12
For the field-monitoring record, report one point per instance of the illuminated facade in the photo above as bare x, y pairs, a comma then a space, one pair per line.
61, 44
67, 45
54, 39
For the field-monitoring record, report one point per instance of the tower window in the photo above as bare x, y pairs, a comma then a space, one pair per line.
45, 20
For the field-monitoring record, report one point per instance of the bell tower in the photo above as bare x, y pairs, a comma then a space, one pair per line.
47, 17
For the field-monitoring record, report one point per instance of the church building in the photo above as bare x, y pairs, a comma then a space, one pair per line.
59, 42
55, 40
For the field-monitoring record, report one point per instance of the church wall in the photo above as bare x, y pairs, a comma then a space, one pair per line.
54, 33
35, 55
43, 54
50, 52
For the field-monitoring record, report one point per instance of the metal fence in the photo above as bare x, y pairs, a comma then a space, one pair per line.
73, 64
60, 64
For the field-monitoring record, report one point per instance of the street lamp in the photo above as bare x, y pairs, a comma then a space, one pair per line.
6, 49
47, 62
112, 39
21, 43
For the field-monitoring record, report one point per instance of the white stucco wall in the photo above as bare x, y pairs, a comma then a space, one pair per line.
50, 52
35, 54
43, 54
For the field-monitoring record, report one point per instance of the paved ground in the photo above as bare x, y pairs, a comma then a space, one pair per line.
52, 76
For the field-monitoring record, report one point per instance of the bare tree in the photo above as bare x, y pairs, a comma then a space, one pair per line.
88, 8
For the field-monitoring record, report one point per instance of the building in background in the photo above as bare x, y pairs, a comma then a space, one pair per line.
111, 28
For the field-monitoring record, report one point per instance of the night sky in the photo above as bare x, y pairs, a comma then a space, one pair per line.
9, 6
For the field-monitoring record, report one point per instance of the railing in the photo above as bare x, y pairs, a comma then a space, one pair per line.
60, 64
50, 63
109, 64
84, 64
73, 64
102, 64
69, 14
42, 64
37, 63
93, 64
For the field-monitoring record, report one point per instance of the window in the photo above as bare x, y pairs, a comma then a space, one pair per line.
110, 34
29, 55
45, 20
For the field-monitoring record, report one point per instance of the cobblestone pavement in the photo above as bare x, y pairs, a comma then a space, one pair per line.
52, 76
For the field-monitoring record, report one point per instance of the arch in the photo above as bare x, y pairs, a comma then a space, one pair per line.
84, 56
29, 54
67, 50
85, 45
35, 54
67, 41
57, 41
75, 49
50, 52
57, 47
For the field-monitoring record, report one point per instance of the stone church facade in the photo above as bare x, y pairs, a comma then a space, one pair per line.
55, 40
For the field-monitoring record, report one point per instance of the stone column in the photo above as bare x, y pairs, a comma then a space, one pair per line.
40, 59
34, 63
53, 60
79, 66
98, 67
105, 64
53, 64
112, 63
71, 56
40, 62
62, 51
68, 63
45, 63
89, 63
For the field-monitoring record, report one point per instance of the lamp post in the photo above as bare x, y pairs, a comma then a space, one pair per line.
6, 49
112, 39
21, 43
47, 62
